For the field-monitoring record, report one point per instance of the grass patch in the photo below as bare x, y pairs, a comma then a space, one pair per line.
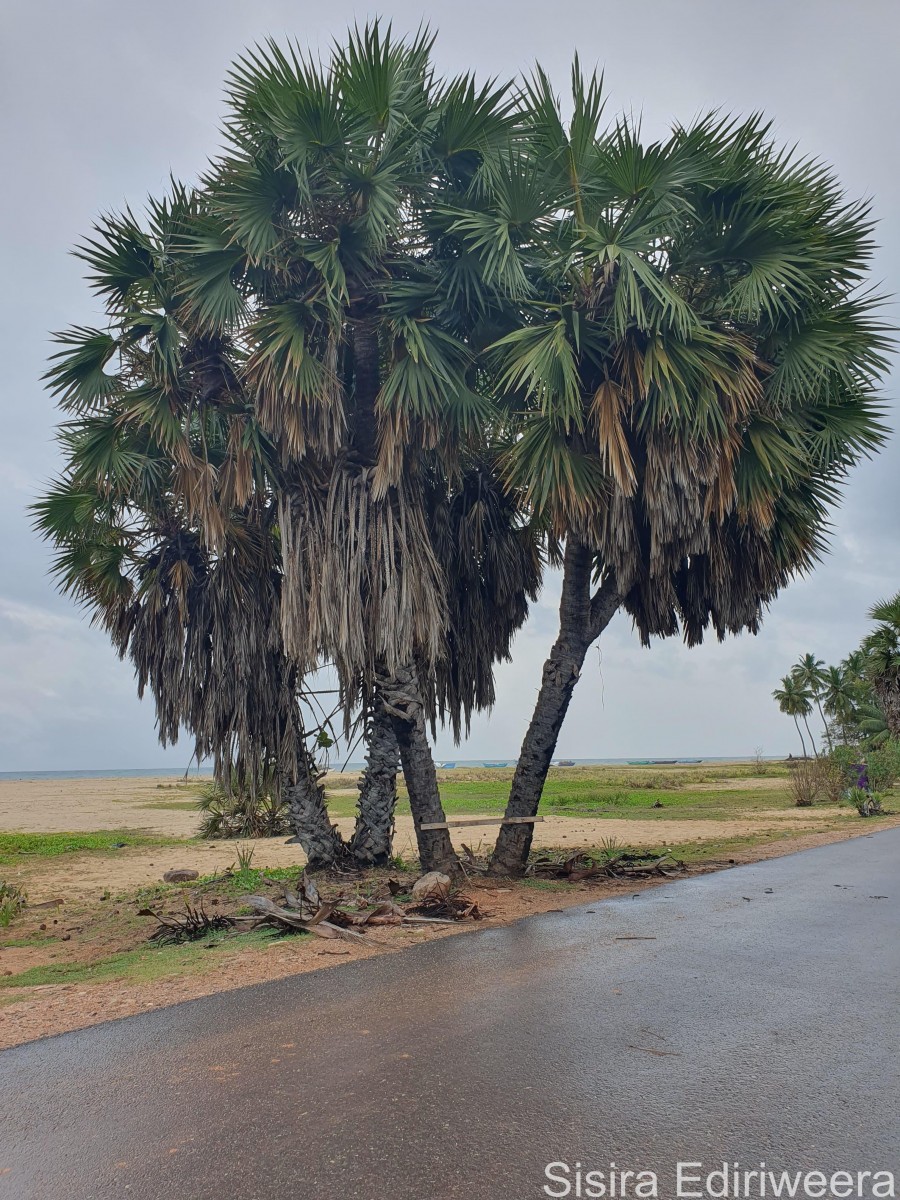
143, 965
14, 846
236, 883
548, 885
172, 805
590, 797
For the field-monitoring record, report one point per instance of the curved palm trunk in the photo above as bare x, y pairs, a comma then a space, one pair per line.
824, 724
812, 740
800, 735
581, 621
371, 843
403, 702
321, 841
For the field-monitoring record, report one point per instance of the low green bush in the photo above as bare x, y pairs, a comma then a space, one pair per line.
239, 813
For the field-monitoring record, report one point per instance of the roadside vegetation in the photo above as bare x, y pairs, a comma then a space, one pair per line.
852, 749
714, 815
16, 846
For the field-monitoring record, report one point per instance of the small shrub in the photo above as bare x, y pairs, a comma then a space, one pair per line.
244, 857
833, 779
805, 782
12, 901
884, 766
760, 766
238, 813
867, 804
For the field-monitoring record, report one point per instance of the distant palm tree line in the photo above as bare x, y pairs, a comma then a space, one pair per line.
858, 700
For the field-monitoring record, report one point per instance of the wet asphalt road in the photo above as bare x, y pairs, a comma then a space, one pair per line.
759, 1024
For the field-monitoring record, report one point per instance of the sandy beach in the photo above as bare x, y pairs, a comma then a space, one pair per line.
141, 804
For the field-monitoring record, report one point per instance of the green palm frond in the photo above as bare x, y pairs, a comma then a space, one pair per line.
77, 377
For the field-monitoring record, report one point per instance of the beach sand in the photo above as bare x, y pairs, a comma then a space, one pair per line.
83, 805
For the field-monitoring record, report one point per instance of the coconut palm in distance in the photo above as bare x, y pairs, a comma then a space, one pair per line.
810, 671
795, 700
882, 651
690, 375
840, 698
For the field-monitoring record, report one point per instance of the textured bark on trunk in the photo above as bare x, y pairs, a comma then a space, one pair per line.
371, 844
581, 620
404, 704
322, 843
887, 690
400, 696
367, 381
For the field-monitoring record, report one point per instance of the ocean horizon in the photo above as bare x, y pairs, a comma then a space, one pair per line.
351, 767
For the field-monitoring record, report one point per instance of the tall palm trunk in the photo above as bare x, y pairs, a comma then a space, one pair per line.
812, 740
402, 700
400, 694
321, 841
581, 620
824, 724
887, 691
371, 844
800, 735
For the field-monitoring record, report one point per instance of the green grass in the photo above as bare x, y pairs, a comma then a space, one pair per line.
172, 805
548, 885
15, 846
588, 798
611, 792
142, 965
240, 882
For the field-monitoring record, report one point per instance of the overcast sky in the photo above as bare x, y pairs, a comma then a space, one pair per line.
102, 99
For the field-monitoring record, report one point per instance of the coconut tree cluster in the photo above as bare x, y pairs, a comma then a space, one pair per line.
410, 338
858, 700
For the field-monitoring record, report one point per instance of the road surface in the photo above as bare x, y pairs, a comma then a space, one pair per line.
761, 1022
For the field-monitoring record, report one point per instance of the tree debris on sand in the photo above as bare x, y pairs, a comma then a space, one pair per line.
613, 863
301, 908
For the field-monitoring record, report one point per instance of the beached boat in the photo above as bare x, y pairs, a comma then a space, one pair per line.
639, 762
690, 760
566, 762
447, 766
496, 764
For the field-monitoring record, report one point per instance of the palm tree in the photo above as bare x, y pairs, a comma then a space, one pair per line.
335, 273
839, 698
810, 672
795, 700
309, 302
872, 726
882, 651
272, 413
687, 378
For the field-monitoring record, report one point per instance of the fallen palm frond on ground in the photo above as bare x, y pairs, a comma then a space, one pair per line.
191, 923
612, 863
301, 908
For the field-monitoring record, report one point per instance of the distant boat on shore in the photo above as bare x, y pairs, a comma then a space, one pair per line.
496, 764
447, 766
566, 762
